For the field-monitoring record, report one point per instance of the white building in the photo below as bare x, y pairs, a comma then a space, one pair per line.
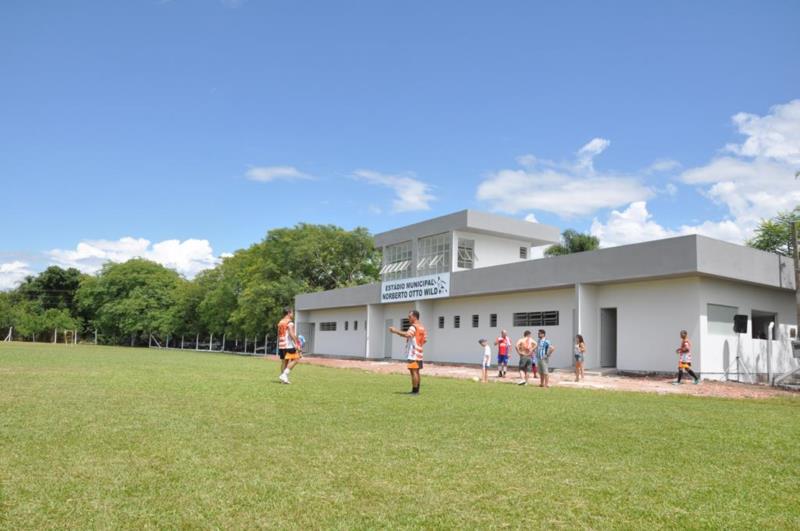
470, 274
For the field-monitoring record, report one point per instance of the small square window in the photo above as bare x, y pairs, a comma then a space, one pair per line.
493, 320
475, 321
441, 321
355, 325
523, 253
346, 323
457, 321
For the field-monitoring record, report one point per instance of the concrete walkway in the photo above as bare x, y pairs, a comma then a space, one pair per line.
562, 378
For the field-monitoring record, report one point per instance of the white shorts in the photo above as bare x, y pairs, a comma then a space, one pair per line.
486, 364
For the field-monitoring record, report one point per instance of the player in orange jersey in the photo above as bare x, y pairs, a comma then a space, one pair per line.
289, 348
416, 336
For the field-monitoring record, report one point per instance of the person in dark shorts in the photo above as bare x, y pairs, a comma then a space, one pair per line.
684, 353
525, 348
288, 345
416, 336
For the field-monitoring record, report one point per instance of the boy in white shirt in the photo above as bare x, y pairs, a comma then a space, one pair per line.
487, 359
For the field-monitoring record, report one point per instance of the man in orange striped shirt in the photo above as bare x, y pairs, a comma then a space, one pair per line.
288, 345
416, 336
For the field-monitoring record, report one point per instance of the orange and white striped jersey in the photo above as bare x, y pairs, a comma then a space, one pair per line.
686, 351
415, 342
285, 332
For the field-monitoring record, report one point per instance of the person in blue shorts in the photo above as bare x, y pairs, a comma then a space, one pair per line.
503, 344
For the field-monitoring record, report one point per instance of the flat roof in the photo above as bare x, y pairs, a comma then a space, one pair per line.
672, 257
534, 234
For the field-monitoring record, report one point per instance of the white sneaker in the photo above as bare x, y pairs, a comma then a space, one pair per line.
283, 378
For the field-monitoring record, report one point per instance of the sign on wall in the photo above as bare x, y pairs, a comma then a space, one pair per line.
417, 288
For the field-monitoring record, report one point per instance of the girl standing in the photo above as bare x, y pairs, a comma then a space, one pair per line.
578, 352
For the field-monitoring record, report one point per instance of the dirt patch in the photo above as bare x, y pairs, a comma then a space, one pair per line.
560, 378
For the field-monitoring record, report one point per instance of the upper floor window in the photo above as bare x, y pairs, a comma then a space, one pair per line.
466, 253
396, 261
433, 254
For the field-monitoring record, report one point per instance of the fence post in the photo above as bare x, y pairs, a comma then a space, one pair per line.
197, 342
266, 342
75, 338
223, 342
245, 344
55, 336
181, 342
210, 341
95, 337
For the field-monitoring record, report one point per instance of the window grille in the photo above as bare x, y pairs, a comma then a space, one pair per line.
466, 253
548, 318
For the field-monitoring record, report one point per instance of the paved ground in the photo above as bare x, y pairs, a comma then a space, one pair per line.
647, 384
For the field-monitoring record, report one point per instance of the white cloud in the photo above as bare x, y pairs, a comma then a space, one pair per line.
410, 194
527, 161
756, 181
562, 193
567, 189
12, 273
753, 180
663, 165
635, 224
531, 218
265, 174
590, 150
188, 257
774, 136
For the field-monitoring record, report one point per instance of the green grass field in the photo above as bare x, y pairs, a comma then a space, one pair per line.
97, 437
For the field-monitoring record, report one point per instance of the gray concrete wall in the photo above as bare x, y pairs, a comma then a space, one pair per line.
473, 221
669, 258
727, 260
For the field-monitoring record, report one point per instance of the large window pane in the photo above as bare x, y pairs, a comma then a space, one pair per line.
720, 319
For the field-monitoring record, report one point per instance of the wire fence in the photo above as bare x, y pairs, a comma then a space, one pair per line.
245, 345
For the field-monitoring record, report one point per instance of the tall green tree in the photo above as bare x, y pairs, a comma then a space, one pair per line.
775, 234
573, 241
246, 293
131, 299
6, 313
54, 287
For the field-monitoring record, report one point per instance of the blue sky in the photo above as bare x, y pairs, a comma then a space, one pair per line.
182, 130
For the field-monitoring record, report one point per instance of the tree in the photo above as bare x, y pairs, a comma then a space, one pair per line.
775, 235
246, 293
6, 311
573, 241
53, 288
131, 299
